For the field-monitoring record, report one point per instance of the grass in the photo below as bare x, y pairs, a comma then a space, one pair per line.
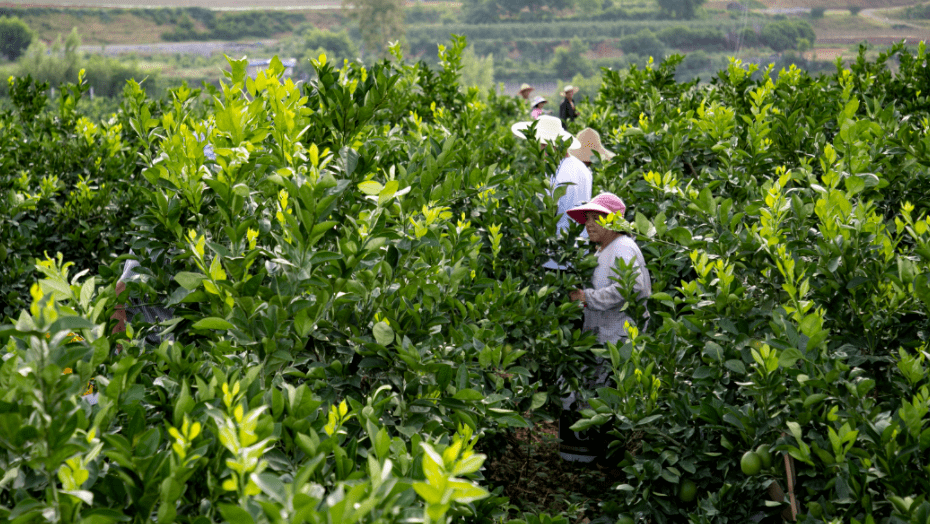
840, 27
121, 26
842, 21
837, 4
243, 5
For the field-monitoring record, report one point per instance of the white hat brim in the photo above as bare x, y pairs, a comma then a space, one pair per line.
544, 137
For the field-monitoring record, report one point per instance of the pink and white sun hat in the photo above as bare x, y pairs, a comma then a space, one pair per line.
606, 203
548, 128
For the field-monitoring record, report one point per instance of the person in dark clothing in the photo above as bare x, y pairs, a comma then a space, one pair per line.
567, 111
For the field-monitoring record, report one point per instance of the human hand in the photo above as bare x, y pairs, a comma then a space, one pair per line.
577, 294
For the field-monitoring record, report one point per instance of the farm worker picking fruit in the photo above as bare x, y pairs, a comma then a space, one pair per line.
603, 299
602, 313
525, 91
572, 173
538, 104
150, 313
567, 111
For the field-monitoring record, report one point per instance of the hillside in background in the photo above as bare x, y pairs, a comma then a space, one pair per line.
564, 41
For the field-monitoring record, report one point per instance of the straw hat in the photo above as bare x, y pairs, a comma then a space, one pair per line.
548, 128
590, 141
571, 88
606, 203
538, 100
525, 87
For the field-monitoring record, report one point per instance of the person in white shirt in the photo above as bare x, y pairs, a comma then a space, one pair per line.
603, 300
572, 172
603, 316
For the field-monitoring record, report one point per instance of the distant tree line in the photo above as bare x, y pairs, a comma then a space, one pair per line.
15, 37
227, 25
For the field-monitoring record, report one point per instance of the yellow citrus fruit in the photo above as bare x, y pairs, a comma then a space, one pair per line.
751, 463
687, 490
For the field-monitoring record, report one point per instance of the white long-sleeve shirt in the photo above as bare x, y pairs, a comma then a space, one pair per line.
577, 179
603, 300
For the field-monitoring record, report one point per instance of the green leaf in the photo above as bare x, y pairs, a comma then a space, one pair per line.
370, 187
582, 424
349, 160
855, 184
469, 465
706, 201
235, 514
735, 366
382, 443
703, 372
539, 399
238, 69
681, 236
188, 280
212, 323
644, 226
388, 192
271, 485
276, 67
713, 350
468, 394
85, 496
71, 324
788, 357
384, 335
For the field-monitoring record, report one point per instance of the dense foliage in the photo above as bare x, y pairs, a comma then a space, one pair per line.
69, 183
357, 300
787, 223
15, 37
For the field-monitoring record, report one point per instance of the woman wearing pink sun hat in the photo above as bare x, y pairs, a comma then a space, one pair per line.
602, 302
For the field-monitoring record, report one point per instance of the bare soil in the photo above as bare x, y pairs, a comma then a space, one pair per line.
536, 479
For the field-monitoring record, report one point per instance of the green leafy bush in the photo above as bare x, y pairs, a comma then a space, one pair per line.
643, 43
920, 12
782, 35
685, 37
15, 37
68, 184
358, 305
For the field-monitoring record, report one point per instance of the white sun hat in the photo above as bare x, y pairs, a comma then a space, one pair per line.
538, 100
548, 128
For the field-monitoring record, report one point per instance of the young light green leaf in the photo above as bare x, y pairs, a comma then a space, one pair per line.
383, 333
212, 323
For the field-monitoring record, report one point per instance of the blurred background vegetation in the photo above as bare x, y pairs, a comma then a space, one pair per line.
547, 44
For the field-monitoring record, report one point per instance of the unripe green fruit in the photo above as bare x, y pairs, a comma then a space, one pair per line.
751, 463
765, 455
687, 490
